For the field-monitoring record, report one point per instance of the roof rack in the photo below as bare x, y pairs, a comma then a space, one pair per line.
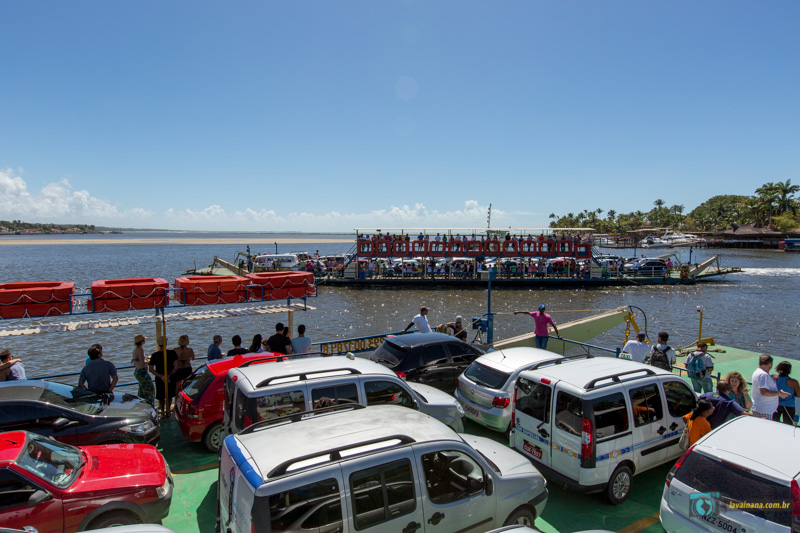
334, 454
302, 376
563, 360
297, 417
615, 378
266, 359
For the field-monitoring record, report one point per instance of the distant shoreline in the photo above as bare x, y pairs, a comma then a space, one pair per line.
174, 239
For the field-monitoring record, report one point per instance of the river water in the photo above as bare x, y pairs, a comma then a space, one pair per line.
756, 310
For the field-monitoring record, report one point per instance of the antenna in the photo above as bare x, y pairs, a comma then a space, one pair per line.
489, 218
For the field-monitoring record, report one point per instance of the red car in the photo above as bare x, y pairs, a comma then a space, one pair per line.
199, 405
56, 487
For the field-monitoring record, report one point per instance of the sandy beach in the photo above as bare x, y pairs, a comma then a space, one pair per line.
174, 239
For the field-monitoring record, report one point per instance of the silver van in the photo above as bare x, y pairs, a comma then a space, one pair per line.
381, 469
593, 423
262, 392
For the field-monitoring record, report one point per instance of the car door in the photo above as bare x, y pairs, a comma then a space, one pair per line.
533, 420
649, 424
455, 497
679, 400
25, 502
383, 493
434, 369
38, 418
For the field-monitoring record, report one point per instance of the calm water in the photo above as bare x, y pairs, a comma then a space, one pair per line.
755, 310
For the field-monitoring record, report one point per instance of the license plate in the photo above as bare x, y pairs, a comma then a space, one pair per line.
531, 449
472, 411
722, 524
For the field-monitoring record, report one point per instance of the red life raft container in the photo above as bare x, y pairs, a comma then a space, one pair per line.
35, 298
129, 293
280, 285
207, 290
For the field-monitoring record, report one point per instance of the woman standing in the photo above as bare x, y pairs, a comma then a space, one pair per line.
185, 358
146, 390
255, 346
697, 421
739, 389
790, 385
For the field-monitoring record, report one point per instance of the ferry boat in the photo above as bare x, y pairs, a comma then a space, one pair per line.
790, 245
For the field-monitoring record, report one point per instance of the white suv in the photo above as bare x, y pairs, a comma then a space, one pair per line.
382, 469
741, 477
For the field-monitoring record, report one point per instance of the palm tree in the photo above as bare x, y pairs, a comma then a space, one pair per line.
785, 191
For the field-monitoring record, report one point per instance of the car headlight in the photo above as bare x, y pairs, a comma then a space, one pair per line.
163, 489
139, 429
459, 408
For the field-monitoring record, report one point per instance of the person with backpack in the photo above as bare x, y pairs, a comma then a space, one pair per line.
661, 354
699, 365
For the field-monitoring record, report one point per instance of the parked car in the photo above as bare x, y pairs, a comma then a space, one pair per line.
379, 469
486, 387
263, 392
592, 423
61, 488
76, 416
741, 477
647, 267
199, 408
434, 359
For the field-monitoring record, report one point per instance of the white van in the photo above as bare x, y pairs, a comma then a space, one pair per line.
276, 262
381, 469
593, 423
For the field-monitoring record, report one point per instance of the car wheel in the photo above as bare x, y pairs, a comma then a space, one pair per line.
619, 486
521, 516
114, 518
213, 437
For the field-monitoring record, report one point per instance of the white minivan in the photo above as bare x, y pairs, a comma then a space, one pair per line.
594, 422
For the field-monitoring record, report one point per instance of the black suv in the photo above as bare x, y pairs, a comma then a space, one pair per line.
76, 416
434, 359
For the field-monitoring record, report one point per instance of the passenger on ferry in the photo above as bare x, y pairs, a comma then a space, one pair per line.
255, 346
420, 321
637, 348
10, 369
697, 421
214, 351
541, 320
301, 343
739, 390
99, 376
280, 342
237, 346
160, 370
700, 365
662, 348
724, 407
787, 384
766, 395
458, 328
183, 366
139, 360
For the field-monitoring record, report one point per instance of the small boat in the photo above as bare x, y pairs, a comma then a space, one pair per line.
790, 245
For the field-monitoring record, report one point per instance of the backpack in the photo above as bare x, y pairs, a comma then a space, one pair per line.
659, 358
696, 366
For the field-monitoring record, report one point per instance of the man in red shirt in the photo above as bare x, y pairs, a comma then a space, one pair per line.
541, 319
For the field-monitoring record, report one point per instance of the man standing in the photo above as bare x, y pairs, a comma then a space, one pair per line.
11, 369
661, 354
301, 344
724, 407
420, 321
458, 328
765, 391
541, 320
99, 376
637, 348
280, 343
699, 365
160, 370
237, 346
213, 350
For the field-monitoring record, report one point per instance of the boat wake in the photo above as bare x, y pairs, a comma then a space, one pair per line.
773, 272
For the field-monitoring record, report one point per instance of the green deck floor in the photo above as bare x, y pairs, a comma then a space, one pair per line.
194, 502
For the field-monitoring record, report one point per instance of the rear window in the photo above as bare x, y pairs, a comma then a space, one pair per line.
610, 415
485, 376
533, 399
388, 354
198, 382
736, 484
316, 506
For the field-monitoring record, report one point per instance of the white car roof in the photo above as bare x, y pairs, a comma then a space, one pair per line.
771, 444
274, 445
257, 373
580, 372
512, 359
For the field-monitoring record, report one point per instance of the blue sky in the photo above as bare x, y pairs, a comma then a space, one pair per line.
334, 115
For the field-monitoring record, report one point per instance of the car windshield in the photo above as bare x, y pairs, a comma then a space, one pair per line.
198, 382
81, 400
485, 376
57, 463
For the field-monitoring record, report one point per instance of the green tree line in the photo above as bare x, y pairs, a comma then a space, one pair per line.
18, 225
774, 204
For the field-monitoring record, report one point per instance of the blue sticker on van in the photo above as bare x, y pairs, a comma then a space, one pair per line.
531, 435
248, 471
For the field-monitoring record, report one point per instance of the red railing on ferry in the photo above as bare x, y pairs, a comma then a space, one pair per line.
437, 248
383, 248
547, 248
583, 251
366, 248
473, 249
419, 248
455, 248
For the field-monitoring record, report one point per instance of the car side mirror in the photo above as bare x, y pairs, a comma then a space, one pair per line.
38, 497
61, 423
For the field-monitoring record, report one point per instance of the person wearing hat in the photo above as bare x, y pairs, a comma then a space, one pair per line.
158, 370
420, 321
637, 348
10, 369
458, 328
541, 320
146, 390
